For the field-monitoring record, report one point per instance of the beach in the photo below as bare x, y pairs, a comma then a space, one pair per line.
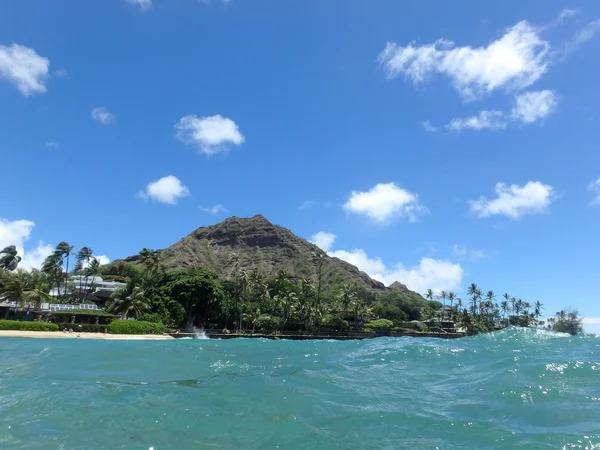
75, 335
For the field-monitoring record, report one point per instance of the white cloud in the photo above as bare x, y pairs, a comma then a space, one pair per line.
529, 108
594, 187
385, 201
102, 259
485, 120
428, 127
17, 233
428, 274
532, 106
515, 201
103, 115
469, 254
143, 5
52, 144
323, 240
209, 135
582, 36
516, 60
24, 68
166, 190
217, 209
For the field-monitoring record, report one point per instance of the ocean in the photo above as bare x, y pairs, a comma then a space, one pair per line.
518, 388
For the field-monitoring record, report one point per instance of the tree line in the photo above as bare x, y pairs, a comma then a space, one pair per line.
248, 301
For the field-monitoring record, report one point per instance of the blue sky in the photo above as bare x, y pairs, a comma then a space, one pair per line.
423, 141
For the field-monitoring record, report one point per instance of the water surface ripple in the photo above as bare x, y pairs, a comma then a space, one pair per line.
515, 388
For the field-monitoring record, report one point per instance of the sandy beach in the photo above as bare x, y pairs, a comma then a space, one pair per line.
74, 335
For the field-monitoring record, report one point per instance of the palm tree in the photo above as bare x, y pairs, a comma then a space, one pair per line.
318, 259
537, 310
51, 268
9, 260
443, 296
346, 298
150, 259
451, 297
475, 293
92, 270
129, 301
83, 260
429, 294
504, 306
22, 286
64, 250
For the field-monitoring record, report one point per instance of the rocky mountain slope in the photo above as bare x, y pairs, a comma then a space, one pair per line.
264, 246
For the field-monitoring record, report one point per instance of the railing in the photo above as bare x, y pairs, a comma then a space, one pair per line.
57, 306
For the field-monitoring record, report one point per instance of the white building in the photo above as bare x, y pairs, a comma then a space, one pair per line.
90, 284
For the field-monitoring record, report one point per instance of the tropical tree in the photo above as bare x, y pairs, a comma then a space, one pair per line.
475, 293
234, 260
24, 287
566, 322
83, 257
53, 272
9, 259
64, 250
93, 270
128, 301
318, 259
442, 295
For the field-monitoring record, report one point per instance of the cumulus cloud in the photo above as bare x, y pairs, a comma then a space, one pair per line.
17, 233
166, 190
428, 274
323, 240
103, 115
102, 259
209, 135
24, 68
529, 107
533, 106
515, 201
385, 201
515, 61
469, 254
214, 210
594, 187
143, 5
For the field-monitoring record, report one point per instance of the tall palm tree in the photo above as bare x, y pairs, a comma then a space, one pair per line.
129, 301
474, 292
451, 297
346, 298
318, 259
83, 257
52, 270
9, 260
429, 294
64, 250
504, 306
92, 270
443, 296
537, 310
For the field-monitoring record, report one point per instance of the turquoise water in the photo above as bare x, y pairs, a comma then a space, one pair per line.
526, 388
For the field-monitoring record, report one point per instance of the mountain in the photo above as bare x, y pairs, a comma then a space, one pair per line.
263, 246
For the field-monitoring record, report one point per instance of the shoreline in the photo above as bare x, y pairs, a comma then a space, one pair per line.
74, 335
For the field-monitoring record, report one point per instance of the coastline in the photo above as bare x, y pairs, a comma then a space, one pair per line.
74, 335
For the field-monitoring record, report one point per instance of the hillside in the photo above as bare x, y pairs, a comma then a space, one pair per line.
263, 246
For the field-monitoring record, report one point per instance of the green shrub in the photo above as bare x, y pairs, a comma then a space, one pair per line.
266, 323
334, 323
154, 318
135, 327
378, 325
27, 326
82, 327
